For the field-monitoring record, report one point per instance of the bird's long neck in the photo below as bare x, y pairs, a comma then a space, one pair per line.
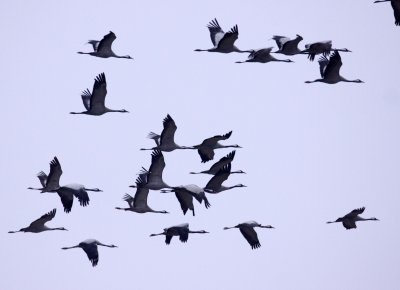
348, 81
379, 1
365, 219
67, 248
120, 208
55, 229
314, 81
197, 172
241, 51
104, 245
228, 228
225, 146
91, 53
92, 189
122, 56
160, 234
158, 211
211, 49
34, 188
13, 232
237, 171
116, 111
76, 113
197, 232
283, 60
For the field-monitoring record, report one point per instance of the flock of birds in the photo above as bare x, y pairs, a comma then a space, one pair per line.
151, 179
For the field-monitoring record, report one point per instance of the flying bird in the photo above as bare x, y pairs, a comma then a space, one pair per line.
90, 248
103, 48
286, 45
248, 232
39, 226
223, 42
263, 55
215, 183
67, 193
94, 102
219, 164
350, 219
181, 230
330, 70
139, 202
165, 141
206, 148
185, 194
153, 176
396, 9
320, 47
51, 182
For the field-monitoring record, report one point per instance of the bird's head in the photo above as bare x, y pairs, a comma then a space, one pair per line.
236, 146
241, 185
266, 227
346, 50
241, 171
113, 246
124, 111
164, 211
97, 190
374, 219
63, 229
359, 81
204, 232
128, 57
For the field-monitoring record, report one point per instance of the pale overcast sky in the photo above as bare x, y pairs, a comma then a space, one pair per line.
312, 152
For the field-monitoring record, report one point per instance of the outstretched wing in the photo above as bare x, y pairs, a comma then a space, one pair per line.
229, 38
91, 252
129, 199
323, 62
53, 180
141, 194
354, 213
42, 178
155, 137
106, 42
99, 92
44, 218
333, 67
222, 162
261, 54
396, 11
168, 133
251, 236
216, 32
86, 96
216, 181
185, 200
157, 166
280, 40
67, 199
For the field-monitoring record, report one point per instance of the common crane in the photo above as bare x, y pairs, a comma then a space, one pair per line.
206, 148
165, 141
321, 47
67, 193
223, 42
286, 45
263, 55
139, 202
153, 176
90, 248
51, 182
215, 183
330, 70
94, 102
350, 219
39, 226
219, 164
181, 230
396, 9
185, 194
248, 232
103, 49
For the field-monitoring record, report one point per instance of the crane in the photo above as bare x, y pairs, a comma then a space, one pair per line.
215, 183
223, 42
396, 9
248, 232
165, 141
185, 194
39, 226
67, 193
206, 148
219, 164
90, 248
330, 70
350, 219
181, 230
263, 55
103, 48
139, 202
94, 102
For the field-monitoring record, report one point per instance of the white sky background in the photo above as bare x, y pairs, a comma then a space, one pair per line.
312, 152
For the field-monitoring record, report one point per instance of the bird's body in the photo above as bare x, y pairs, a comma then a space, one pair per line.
286, 45
138, 203
185, 194
153, 176
321, 47
215, 183
263, 55
223, 42
181, 230
330, 70
103, 48
39, 226
68, 191
95, 102
220, 164
165, 141
248, 232
90, 248
350, 219
206, 148
396, 9
51, 182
